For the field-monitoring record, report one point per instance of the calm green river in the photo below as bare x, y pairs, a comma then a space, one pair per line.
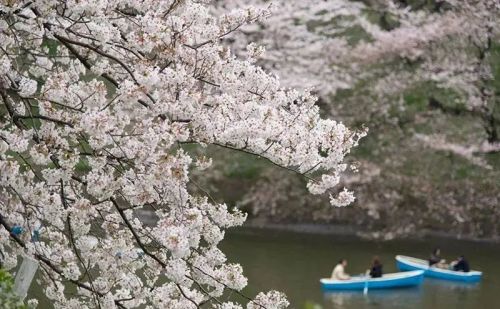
293, 263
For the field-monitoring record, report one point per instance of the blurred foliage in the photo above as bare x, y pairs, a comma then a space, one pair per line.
312, 305
8, 299
411, 187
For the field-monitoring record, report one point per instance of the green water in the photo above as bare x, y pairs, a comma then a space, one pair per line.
293, 263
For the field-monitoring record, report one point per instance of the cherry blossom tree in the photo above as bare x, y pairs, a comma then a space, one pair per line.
98, 101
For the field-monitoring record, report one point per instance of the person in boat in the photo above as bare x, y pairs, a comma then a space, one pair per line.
376, 268
436, 260
338, 272
460, 264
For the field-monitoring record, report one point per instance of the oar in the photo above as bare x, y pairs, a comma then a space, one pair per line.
365, 290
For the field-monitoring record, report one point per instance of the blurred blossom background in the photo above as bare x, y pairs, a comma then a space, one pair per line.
422, 76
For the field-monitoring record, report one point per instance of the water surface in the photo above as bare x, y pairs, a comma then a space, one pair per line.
293, 263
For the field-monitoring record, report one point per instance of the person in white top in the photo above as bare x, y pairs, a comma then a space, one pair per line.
339, 271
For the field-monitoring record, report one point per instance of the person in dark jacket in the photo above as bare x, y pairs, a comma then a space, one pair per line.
461, 264
376, 268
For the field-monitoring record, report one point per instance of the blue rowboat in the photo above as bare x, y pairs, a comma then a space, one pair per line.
406, 263
387, 281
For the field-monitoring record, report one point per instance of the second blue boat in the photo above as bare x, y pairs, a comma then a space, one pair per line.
406, 263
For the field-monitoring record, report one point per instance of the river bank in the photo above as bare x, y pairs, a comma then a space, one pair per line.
354, 231
335, 229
